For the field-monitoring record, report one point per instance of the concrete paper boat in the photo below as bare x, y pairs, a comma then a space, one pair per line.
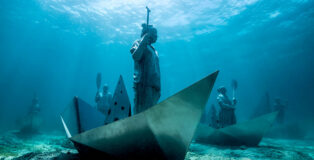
164, 131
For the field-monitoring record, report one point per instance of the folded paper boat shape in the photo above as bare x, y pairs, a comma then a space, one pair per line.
164, 131
248, 133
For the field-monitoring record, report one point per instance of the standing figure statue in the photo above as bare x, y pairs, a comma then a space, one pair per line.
103, 99
146, 70
281, 110
32, 121
35, 109
227, 108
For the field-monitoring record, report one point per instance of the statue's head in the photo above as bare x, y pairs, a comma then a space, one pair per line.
151, 30
222, 90
105, 88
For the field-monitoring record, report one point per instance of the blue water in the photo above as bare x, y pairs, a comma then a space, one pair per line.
56, 47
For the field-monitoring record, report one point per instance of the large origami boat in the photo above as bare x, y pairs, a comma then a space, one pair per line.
248, 133
164, 131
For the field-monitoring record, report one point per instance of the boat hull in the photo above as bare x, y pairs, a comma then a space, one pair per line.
248, 133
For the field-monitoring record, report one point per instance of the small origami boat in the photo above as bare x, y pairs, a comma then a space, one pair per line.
248, 133
163, 131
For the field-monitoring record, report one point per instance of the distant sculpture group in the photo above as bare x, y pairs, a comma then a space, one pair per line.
227, 116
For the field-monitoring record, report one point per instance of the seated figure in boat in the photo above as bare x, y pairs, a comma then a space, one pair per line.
281, 110
227, 108
103, 99
146, 70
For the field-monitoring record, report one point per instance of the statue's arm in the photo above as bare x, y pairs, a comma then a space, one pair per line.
221, 103
224, 105
138, 47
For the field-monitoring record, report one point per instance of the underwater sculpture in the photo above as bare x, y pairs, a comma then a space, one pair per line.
163, 131
278, 106
104, 98
227, 108
81, 117
146, 69
248, 133
32, 121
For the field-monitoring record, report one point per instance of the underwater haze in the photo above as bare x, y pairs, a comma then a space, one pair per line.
55, 48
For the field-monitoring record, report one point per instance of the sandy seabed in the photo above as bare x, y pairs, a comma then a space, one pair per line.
57, 147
